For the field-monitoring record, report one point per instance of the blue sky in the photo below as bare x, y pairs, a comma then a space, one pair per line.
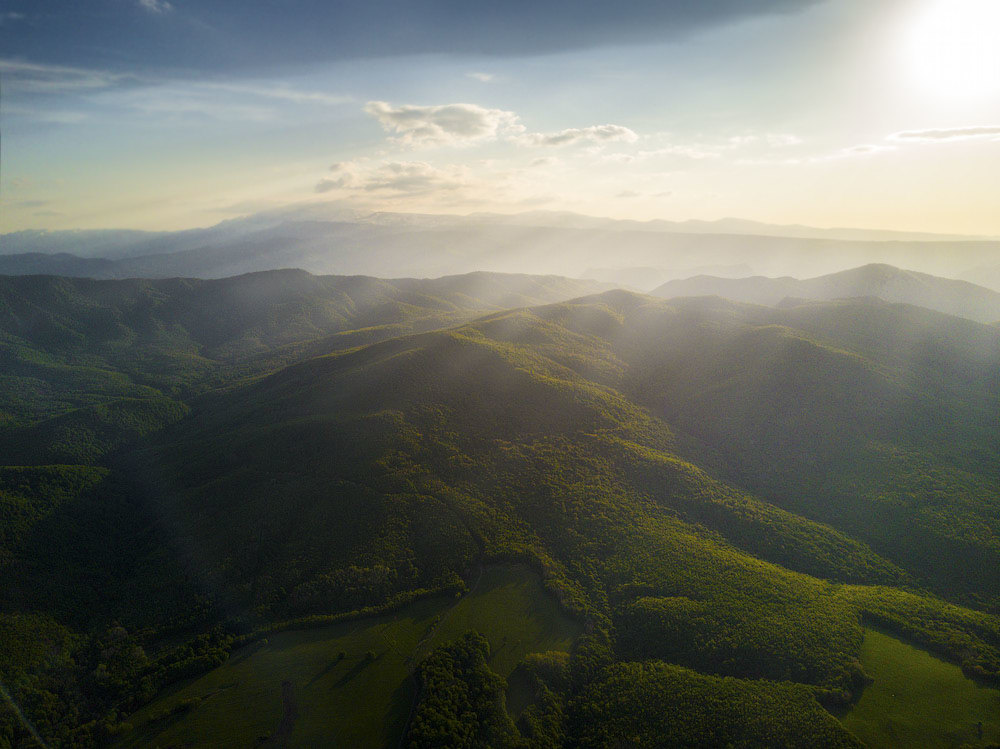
162, 115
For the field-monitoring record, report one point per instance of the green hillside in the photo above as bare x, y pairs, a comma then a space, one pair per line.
87, 365
342, 696
721, 495
916, 699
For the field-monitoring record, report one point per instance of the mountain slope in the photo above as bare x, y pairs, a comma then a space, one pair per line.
729, 488
885, 282
75, 344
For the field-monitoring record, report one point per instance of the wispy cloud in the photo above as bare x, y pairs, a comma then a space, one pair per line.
156, 6
772, 140
593, 134
279, 92
481, 77
695, 152
55, 79
866, 149
179, 102
453, 124
953, 133
48, 116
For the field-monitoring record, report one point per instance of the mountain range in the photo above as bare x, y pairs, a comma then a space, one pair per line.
878, 281
328, 239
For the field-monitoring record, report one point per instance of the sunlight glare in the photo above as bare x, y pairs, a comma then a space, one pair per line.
952, 48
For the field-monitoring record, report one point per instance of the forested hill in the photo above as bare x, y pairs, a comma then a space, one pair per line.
720, 493
84, 360
885, 282
851, 414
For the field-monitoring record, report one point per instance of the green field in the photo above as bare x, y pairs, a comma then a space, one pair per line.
296, 688
920, 700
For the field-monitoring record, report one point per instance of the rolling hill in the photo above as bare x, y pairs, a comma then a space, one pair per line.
84, 359
878, 281
722, 495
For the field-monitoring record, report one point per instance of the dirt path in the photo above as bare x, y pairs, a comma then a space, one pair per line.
283, 734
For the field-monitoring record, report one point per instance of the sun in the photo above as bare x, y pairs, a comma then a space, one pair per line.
952, 48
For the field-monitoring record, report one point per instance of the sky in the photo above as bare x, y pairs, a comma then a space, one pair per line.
171, 114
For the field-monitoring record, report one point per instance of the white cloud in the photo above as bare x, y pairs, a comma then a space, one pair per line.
592, 134
481, 77
453, 124
156, 6
953, 133
412, 178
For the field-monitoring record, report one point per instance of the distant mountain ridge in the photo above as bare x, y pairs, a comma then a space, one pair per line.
328, 239
878, 281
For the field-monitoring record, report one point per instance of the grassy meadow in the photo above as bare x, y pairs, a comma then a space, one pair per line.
917, 699
296, 685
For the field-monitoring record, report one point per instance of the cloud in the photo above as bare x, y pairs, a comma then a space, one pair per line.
453, 124
181, 103
412, 178
865, 149
481, 77
593, 134
697, 153
396, 179
49, 116
53, 79
326, 185
10, 16
628, 194
464, 124
156, 6
282, 93
954, 133
773, 140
